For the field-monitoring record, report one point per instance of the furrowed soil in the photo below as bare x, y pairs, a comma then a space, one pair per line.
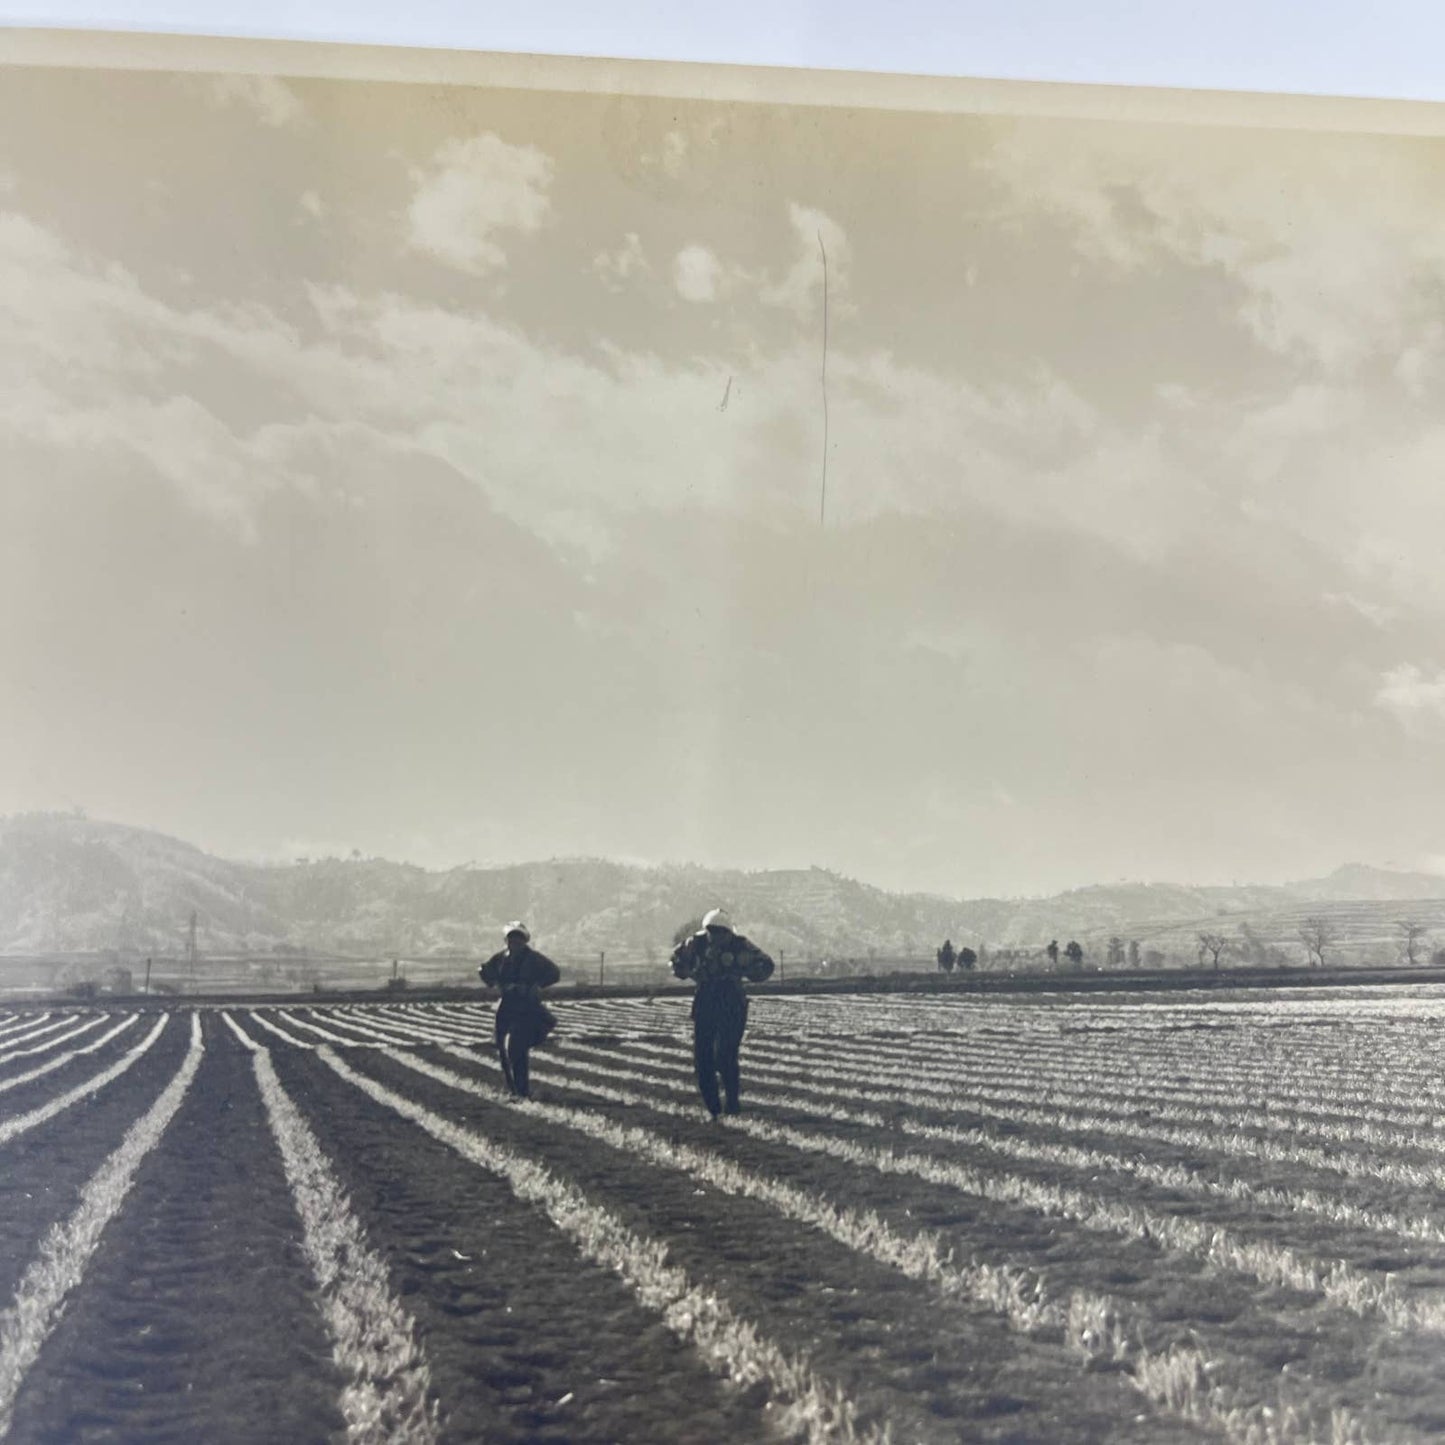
20, 1097
526, 1341
1278, 1327
43, 1170
934, 1370
1270, 1333
1304, 1132
197, 1321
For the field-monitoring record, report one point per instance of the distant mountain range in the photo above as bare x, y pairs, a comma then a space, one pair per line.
73, 886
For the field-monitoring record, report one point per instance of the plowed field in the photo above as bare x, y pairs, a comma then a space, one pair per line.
993, 1219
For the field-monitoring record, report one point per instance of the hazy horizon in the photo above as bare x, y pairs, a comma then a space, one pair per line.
662, 864
435, 471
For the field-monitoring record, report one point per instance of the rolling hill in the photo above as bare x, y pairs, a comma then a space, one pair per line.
73, 886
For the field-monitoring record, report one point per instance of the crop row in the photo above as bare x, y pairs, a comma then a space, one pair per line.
1275, 1263
975, 1186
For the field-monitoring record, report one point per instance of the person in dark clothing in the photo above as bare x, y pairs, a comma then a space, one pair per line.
520, 973
718, 961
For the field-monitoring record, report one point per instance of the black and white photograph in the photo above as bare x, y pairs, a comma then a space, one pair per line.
716, 752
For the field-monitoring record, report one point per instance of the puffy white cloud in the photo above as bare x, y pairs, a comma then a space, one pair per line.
474, 192
700, 275
697, 273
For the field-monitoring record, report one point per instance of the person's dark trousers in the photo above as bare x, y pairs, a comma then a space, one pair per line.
719, 1018
514, 1042
499, 1040
517, 1050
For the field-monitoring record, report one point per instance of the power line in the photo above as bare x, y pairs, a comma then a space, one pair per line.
822, 500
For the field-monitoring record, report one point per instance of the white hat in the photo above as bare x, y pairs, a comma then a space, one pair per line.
515, 927
716, 918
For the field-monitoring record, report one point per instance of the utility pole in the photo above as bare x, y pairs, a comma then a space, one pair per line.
602, 969
780, 965
191, 945
148, 976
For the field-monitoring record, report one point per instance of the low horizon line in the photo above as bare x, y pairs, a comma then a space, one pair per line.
80, 814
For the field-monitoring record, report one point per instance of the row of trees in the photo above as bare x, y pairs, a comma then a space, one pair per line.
950, 957
1119, 953
1318, 934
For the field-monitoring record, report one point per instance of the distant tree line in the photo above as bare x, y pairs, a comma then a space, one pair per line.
949, 957
1318, 935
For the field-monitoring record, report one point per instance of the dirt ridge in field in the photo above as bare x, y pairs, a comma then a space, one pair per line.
44, 1169
1263, 1328
196, 1320
929, 1368
526, 1341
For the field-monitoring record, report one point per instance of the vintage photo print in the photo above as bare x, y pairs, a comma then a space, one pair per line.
715, 754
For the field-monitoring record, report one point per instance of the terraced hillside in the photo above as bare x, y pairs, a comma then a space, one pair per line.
1360, 931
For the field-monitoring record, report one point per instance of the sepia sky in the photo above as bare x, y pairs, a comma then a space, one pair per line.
435, 471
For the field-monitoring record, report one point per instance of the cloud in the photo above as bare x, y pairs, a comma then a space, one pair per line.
575, 446
1335, 243
697, 273
616, 268
473, 192
267, 97
1141, 669
800, 289
701, 276
60, 309
92, 366
560, 442
679, 163
1412, 697
1376, 613
675, 148
180, 441
1375, 502
91, 361
997, 525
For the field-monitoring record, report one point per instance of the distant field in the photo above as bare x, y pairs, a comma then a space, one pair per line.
1033, 1218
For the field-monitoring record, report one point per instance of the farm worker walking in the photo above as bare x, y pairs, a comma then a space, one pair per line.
523, 1020
719, 960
